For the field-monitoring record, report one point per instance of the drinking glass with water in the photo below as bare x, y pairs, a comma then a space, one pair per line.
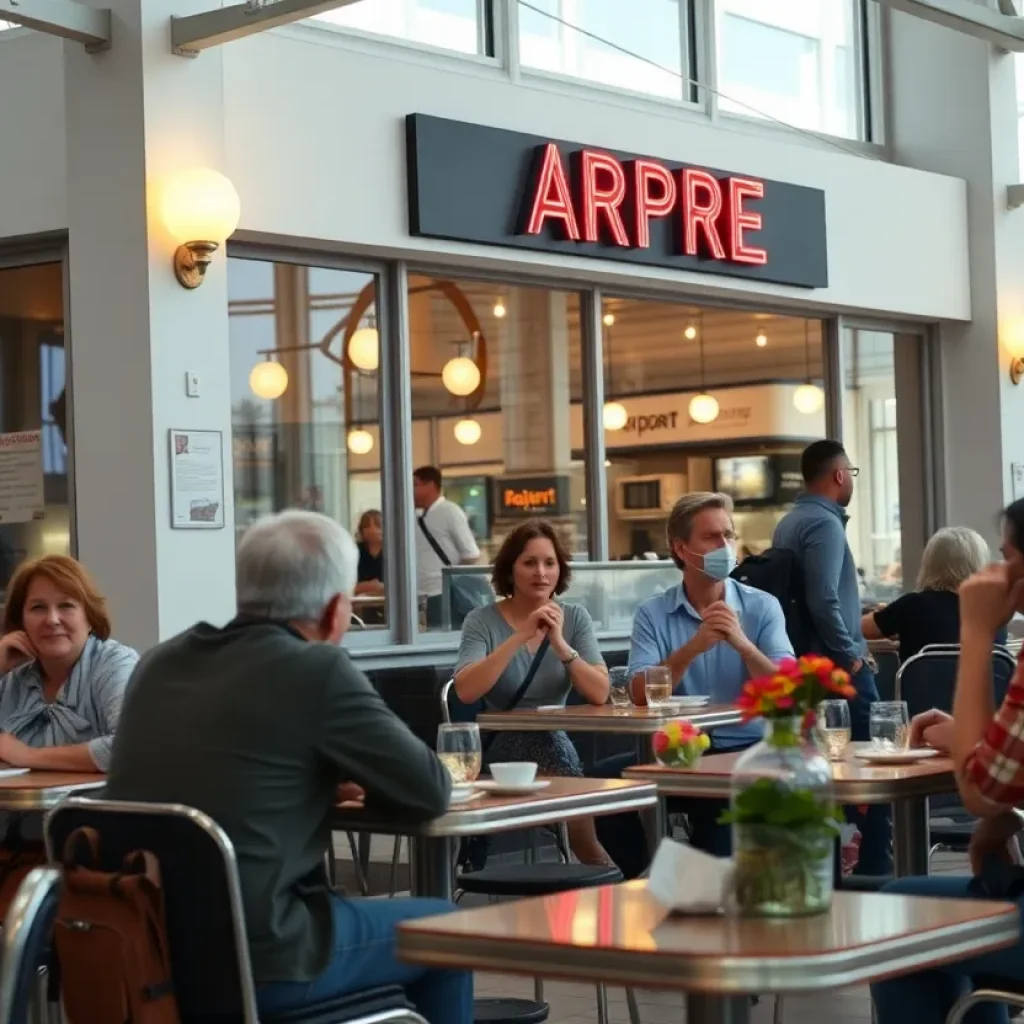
618, 693
889, 725
657, 686
458, 747
833, 728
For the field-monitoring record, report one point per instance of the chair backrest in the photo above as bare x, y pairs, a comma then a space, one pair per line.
28, 932
453, 710
928, 679
205, 920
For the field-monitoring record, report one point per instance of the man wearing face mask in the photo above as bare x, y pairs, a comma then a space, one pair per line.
714, 634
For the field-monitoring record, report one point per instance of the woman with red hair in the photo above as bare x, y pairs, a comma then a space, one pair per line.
62, 679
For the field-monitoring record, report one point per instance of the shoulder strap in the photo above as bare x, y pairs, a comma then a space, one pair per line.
530, 673
438, 550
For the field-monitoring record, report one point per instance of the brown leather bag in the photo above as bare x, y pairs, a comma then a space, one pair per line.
111, 939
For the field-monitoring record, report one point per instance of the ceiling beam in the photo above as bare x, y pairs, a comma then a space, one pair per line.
194, 33
68, 19
981, 21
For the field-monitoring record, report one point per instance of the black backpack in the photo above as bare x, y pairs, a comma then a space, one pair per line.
781, 573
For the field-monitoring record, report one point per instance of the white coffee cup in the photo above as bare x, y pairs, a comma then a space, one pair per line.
514, 773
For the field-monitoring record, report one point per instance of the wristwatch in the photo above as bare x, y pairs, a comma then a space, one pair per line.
573, 655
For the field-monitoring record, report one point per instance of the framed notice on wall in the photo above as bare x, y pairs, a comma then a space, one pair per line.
197, 479
21, 477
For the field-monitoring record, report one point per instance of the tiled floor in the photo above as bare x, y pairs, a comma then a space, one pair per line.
576, 1004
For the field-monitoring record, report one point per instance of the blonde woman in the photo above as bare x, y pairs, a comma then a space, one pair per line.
931, 614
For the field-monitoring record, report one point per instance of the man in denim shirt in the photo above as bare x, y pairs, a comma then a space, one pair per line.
815, 531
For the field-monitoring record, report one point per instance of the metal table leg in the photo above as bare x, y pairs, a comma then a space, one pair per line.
432, 867
911, 836
703, 1009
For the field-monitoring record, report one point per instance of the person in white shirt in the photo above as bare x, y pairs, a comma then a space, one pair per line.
443, 537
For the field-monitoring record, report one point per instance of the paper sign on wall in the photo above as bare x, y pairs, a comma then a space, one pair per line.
197, 479
21, 477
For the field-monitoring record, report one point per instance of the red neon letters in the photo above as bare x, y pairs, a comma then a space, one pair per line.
614, 204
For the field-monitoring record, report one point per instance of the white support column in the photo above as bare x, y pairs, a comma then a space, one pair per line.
135, 114
953, 110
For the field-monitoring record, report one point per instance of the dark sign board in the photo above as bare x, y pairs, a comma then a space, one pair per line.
759, 480
520, 497
470, 183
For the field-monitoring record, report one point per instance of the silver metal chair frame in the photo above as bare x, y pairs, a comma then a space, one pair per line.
33, 891
982, 995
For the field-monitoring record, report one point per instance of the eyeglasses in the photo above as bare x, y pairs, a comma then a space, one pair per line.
854, 471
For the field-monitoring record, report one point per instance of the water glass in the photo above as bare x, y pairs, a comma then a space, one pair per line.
458, 747
889, 725
833, 728
618, 693
657, 686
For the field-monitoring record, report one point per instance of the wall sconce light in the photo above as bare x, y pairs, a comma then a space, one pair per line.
200, 210
1016, 369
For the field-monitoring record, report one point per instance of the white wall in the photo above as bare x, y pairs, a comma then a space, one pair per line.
320, 154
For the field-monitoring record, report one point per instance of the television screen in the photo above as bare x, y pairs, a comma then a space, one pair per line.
746, 479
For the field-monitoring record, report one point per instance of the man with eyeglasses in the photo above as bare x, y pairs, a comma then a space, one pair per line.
815, 531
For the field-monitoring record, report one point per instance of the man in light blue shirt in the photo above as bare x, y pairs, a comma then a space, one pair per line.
713, 634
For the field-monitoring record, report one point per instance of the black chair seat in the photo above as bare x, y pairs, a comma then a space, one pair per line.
509, 1011
864, 883
536, 879
348, 1007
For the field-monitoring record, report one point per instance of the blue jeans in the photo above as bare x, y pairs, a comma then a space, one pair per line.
926, 997
364, 958
875, 822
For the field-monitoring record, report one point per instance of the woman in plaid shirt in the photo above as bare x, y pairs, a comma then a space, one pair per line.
987, 746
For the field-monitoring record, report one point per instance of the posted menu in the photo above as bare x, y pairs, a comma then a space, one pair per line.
21, 477
197, 479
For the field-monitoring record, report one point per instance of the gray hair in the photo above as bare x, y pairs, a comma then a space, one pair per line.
686, 509
952, 555
291, 564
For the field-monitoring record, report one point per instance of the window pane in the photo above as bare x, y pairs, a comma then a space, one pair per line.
647, 51
1018, 61
447, 24
869, 434
791, 62
32, 397
308, 436
505, 451
759, 421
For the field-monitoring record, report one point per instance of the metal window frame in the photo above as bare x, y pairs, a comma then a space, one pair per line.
396, 492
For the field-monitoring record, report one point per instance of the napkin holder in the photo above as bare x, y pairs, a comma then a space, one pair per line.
688, 882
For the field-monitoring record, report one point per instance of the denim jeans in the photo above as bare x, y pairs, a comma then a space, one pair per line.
364, 958
926, 997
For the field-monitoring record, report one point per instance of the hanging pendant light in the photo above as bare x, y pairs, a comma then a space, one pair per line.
360, 441
364, 348
614, 415
268, 379
461, 375
808, 398
468, 432
703, 407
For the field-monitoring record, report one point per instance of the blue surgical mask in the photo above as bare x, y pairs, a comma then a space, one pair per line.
718, 564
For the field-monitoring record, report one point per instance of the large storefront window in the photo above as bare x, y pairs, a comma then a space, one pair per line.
495, 395
869, 434
447, 24
595, 40
795, 62
33, 398
305, 356
700, 399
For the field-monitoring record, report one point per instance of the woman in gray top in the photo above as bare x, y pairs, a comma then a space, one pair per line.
501, 641
63, 678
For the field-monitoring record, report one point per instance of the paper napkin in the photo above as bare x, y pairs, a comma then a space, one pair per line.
687, 881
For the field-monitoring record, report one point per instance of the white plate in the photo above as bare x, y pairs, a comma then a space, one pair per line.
686, 703
490, 786
551, 707
896, 756
463, 797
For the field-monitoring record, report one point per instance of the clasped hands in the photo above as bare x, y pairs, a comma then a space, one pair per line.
720, 625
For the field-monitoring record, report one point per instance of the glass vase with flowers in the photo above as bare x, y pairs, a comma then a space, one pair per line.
783, 817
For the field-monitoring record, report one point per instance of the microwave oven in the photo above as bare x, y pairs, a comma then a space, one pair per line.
648, 497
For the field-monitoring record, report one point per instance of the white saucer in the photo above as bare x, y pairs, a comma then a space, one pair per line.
490, 786
551, 707
895, 756
688, 703
463, 796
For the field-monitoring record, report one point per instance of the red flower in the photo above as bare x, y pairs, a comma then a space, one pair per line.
660, 743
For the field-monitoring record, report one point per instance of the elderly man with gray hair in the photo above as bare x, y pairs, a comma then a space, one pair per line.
263, 724
713, 634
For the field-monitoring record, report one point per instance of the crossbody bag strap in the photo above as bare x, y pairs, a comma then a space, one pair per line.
431, 540
530, 673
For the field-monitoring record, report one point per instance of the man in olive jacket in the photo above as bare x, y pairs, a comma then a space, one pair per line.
260, 724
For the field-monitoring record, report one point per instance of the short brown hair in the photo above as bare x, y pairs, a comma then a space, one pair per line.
69, 577
515, 545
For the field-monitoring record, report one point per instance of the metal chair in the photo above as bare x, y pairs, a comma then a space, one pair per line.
925, 681
205, 919
28, 930
989, 990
